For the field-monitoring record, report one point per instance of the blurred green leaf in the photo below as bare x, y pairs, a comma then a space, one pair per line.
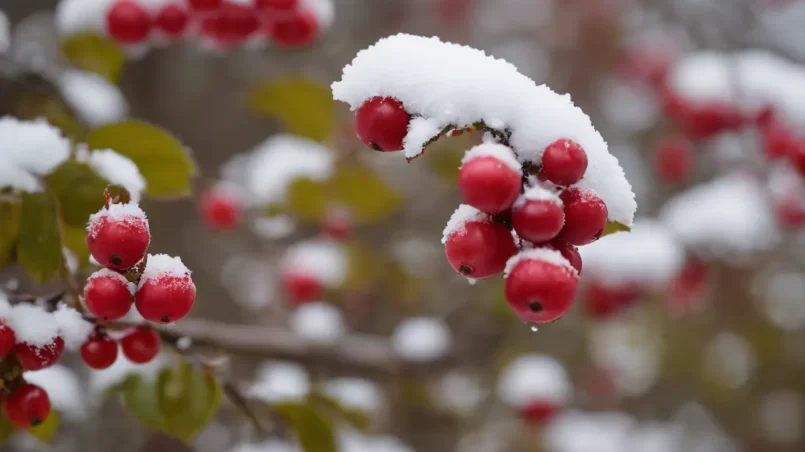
307, 199
94, 53
39, 247
160, 157
79, 190
313, 430
10, 211
45, 431
613, 227
355, 418
368, 197
75, 239
304, 107
445, 163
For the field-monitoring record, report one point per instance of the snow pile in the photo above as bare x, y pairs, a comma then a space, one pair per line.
72, 327
30, 149
444, 84
322, 259
459, 392
356, 394
130, 213
266, 172
77, 16
92, 97
33, 325
317, 322
534, 378
280, 381
630, 351
498, 151
540, 254
64, 390
421, 339
464, 214
728, 218
577, 431
161, 265
648, 256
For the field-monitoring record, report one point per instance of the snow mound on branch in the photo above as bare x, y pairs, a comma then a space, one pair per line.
578, 431
33, 325
503, 153
130, 212
728, 218
750, 80
94, 99
72, 327
540, 254
280, 381
322, 259
463, 214
116, 169
63, 388
356, 394
534, 378
29, 149
317, 322
421, 339
649, 255
444, 84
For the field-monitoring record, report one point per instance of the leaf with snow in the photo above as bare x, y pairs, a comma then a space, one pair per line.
31, 149
305, 108
39, 246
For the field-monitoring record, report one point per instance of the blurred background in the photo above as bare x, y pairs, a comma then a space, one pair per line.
686, 335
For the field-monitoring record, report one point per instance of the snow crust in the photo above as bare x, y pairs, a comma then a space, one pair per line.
532, 378
130, 213
73, 329
33, 325
446, 84
323, 259
318, 322
115, 168
464, 214
539, 193
30, 149
421, 339
64, 390
280, 381
542, 254
500, 152
94, 99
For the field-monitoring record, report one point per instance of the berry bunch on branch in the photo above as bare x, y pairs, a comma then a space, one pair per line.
542, 183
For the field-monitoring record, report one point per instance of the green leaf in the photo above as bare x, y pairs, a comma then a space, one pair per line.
164, 163
313, 430
304, 107
9, 228
307, 199
445, 163
367, 196
96, 54
74, 238
356, 418
39, 247
45, 431
79, 190
613, 226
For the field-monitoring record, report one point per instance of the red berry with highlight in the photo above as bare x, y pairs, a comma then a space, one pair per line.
382, 123
140, 344
99, 351
172, 20
538, 216
564, 162
299, 29
540, 291
489, 184
673, 159
128, 22
585, 216
107, 295
220, 211
301, 287
569, 252
539, 412
479, 249
165, 298
27, 407
7, 338
34, 357
118, 237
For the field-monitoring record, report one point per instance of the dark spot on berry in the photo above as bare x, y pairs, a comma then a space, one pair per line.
36, 421
465, 269
375, 146
115, 260
535, 306
164, 319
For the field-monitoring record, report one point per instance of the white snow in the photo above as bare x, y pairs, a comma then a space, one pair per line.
727, 218
30, 149
324, 10
356, 394
502, 153
578, 431
782, 299
448, 84
648, 256
64, 390
280, 381
541, 254
655, 437
94, 99
161, 265
107, 273
421, 339
273, 228
318, 322
33, 325
539, 193
464, 214
322, 259
101, 380
79, 16
72, 327
116, 169
130, 212
534, 378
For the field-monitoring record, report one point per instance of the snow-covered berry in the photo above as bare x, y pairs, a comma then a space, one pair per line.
118, 236
475, 245
300, 28
28, 406
540, 285
490, 177
382, 123
140, 344
564, 162
128, 22
7, 338
538, 215
172, 20
585, 216
673, 159
99, 351
221, 211
166, 291
301, 287
569, 252
36, 357
108, 295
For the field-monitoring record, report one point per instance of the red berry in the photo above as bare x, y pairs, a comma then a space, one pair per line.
569, 252
382, 123
540, 291
172, 20
205, 5
337, 226
539, 412
796, 155
538, 216
564, 162
488, 184
236, 23
603, 302
585, 216
778, 141
790, 212
688, 285
128, 22
33, 357
7, 338
27, 407
301, 287
220, 211
299, 29
118, 241
99, 351
479, 249
281, 5
140, 344
673, 159
704, 120
165, 298
107, 295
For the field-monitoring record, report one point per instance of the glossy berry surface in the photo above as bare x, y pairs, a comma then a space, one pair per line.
299, 29
537, 220
480, 249
140, 344
128, 22
220, 211
569, 252
172, 20
488, 184
585, 216
27, 407
564, 162
33, 357
99, 351
674, 159
382, 123
302, 287
119, 244
7, 338
107, 295
539, 291
165, 298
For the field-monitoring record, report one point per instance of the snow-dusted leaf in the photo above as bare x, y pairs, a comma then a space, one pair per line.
79, 190
314, 431
44, 432
368, 197
9, 228
94, 53
308, 199
39, 248
303, 106
164, 163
